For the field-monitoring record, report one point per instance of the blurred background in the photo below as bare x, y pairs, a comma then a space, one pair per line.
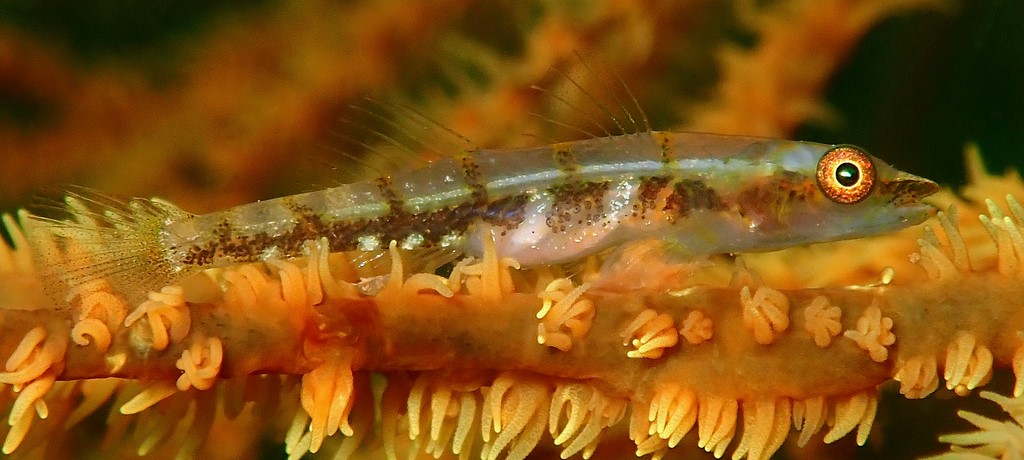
222, 102
212, 104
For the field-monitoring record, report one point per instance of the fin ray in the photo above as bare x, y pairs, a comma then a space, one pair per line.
395, 135
607, 103
104, 237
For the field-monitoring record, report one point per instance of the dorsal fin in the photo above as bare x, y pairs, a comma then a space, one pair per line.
591, 100
394, 136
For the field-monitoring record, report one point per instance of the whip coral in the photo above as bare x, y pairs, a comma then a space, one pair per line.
494, 361
741, 357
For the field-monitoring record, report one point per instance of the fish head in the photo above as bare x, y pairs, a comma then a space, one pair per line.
852, 194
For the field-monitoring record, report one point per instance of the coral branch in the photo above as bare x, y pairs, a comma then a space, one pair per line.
476, 358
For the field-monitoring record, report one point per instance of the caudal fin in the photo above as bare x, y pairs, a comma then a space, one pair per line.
104, 238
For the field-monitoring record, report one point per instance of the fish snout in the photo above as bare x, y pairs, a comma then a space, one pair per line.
908, 189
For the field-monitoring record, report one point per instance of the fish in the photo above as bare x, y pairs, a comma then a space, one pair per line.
699, 193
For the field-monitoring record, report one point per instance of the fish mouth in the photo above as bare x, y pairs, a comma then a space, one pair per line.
907, 190
916, 213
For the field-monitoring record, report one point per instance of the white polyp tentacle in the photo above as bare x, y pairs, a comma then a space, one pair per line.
167, 314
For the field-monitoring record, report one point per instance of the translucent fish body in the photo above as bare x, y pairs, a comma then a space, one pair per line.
700, 193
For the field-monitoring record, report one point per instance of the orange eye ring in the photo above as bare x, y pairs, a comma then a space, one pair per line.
846, 174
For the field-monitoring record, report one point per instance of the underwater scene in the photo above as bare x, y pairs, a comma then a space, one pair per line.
403, 316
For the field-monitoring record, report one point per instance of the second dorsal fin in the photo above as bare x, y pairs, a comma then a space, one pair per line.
588, 99
394, 136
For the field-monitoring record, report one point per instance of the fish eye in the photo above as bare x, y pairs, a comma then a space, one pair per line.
846, 174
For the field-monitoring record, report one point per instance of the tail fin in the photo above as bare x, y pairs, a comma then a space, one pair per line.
104, 238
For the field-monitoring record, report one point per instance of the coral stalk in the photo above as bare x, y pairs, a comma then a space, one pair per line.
467, 353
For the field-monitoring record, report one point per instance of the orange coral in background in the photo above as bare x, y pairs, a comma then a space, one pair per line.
251, 102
